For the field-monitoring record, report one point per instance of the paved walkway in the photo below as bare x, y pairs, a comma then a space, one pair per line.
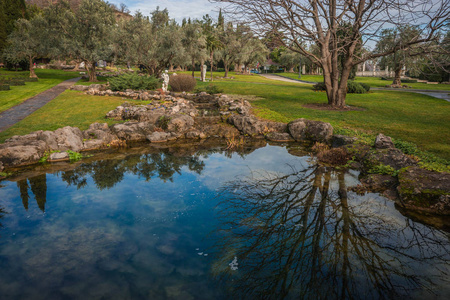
285, 79
440, 94
19, 112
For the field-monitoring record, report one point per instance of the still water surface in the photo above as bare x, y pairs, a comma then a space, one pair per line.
259, 224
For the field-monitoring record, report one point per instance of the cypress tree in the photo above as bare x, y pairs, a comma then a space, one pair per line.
221, 21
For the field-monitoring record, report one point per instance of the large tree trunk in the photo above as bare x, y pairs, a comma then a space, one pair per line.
211, 58
171, 68
91, 71
397, 76
32, 73
291, 70
193, 67
336, 89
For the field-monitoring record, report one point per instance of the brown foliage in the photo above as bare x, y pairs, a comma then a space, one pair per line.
182, 83
333, 156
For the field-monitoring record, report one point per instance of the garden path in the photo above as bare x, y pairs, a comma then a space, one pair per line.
19, 112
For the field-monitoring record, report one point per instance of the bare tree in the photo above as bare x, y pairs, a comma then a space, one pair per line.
124, 8
300, 23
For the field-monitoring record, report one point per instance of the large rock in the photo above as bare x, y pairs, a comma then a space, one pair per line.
69, 138
49, 138
220, 130
180, 123
279, 137
132, 131
383, 142
116, 113
425, 190
59, 156
158, 137
80, 88
23, 152
316, 131
97, 136
253, 126
341, 140
390, 157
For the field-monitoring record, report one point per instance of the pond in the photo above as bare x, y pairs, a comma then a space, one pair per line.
172, 223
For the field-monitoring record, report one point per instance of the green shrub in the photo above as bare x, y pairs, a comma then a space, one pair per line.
409, 80
355, 88
29, 79
16, 82
365, 86
133, 81
352, 87
213, 89
4, 87
182, 83
320, 86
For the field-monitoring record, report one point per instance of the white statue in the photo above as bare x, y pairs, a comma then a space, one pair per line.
165, 78
203, 74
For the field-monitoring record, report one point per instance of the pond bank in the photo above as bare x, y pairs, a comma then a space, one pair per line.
181, 118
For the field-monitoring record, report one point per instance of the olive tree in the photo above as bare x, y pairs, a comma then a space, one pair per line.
152, 43
232, 45
402, 56
194, 43
85, 34
299, 23
289, 59
27, 41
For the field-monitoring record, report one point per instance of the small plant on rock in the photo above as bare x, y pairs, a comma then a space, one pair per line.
233, 143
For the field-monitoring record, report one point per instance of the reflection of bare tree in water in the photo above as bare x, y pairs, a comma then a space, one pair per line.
301, 235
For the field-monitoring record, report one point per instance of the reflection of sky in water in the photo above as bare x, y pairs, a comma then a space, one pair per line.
155, 239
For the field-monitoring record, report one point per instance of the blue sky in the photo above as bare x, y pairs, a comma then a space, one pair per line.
178, 9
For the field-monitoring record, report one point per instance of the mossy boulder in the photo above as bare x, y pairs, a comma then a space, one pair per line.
390, 157
425, 190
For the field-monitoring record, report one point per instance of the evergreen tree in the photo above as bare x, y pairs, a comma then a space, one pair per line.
10, 11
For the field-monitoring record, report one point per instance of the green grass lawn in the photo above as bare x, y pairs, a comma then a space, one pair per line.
372, 81
412, 117
18, 94
71, 108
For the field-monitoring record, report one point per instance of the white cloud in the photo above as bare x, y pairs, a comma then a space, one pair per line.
178, 9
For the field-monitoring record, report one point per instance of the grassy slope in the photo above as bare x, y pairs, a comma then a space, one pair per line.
408, 116
372, 81
18, 94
